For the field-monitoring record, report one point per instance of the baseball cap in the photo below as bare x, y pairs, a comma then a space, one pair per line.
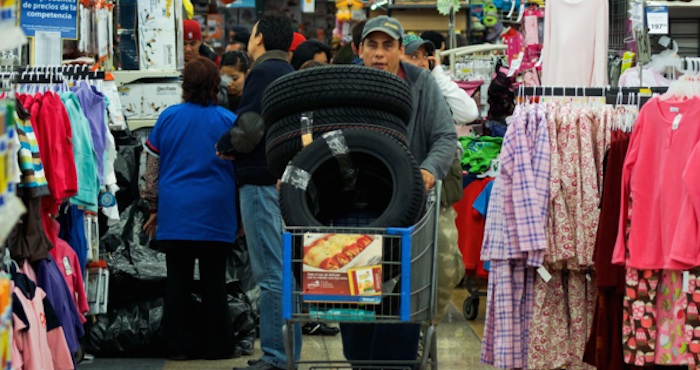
385, 24
297, 39
192, 30
412, 42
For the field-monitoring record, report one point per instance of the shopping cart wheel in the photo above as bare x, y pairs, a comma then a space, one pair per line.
471, 308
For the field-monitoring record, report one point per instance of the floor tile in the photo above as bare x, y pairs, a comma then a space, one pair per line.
459, 348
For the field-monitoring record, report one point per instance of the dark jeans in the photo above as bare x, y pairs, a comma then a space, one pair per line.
381, 342
182, 329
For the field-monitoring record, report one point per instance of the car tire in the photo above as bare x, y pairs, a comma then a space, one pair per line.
336, 86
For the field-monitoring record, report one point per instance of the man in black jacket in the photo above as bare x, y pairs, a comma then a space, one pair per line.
268, 48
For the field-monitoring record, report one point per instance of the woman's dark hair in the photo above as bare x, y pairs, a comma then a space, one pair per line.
306, 51
435, 37
356, 31
236, 59
200, 81
311, 64
276, 29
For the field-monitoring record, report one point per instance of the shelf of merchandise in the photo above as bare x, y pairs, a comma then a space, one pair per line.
674, 4
122, 78
139, 123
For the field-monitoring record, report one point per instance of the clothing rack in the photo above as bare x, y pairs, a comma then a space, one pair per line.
689, 64
50, 74
613, 95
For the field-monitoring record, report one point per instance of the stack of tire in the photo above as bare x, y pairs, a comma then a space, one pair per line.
358, 170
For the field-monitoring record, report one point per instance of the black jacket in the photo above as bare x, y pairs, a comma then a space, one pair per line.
251, 168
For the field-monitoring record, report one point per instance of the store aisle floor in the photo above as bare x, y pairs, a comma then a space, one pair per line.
458, 349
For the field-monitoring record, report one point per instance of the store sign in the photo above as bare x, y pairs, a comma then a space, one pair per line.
657, 20
342, 268
49, 16
8, 14
308, 6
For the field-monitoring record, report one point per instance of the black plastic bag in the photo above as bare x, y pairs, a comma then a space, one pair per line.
133, 330
238, 270
126, 167
242, 322
131, 261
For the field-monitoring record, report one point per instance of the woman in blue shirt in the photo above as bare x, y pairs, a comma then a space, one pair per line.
194, 215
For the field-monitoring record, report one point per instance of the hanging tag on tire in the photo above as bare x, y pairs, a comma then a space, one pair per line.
307, 121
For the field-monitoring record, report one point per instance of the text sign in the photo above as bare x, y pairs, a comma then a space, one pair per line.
657, 20
50, 16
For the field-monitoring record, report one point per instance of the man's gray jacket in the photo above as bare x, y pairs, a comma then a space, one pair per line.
431, 131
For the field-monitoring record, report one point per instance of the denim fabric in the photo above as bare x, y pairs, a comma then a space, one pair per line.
262, 222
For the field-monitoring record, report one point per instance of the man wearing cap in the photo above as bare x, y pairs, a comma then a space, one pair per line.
421, 53
192, 43
433, 141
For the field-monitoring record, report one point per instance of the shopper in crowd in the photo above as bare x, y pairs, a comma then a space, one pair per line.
235, 46
243, 37
311, 64
190, 223
310, 50
297, 39
421, 53
433, 140
234, 67
356, 39
344, 55
259, 198
193, 45
436, 38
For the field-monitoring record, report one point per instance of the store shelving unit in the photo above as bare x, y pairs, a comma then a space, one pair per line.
684, 24
122, 78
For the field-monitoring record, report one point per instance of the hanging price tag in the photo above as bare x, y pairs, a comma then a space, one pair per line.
544, 274
657, 20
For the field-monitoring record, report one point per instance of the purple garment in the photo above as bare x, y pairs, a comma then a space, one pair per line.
93, 104
50, 279
514, 237
511, 296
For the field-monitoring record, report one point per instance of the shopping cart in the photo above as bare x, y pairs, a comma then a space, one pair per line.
409, 253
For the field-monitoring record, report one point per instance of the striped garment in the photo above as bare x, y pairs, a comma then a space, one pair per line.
33, 182
515, 239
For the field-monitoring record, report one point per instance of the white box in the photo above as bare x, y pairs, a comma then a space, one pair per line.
159, 96
156, 14
131, 98
157, 49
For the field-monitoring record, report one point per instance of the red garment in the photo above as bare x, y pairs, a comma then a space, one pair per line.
659, 152
55, 138
68, 263
614, 275
470, 227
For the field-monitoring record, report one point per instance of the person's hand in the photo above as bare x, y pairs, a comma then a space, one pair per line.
150, 226
428, 179
279, 184
224, 156
435, 59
